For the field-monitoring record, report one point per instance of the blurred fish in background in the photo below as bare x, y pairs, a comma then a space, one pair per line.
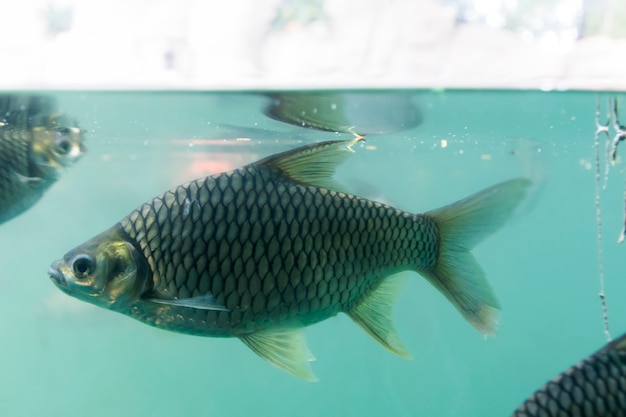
339, 112
594, 387
36, 145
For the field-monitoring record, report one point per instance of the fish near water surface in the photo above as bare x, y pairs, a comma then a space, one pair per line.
36, 145
382, 112
265, 250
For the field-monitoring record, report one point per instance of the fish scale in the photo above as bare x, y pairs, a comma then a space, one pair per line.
261, 252
595, 387
14, 159
275, 243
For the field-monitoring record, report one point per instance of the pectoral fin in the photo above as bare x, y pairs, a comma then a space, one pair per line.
203, 302
284, 348
373, 314
27, 180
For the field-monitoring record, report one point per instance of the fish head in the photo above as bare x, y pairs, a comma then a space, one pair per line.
55, 148
107, 271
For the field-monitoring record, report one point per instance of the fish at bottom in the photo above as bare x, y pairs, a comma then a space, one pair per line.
263, 251
594, 387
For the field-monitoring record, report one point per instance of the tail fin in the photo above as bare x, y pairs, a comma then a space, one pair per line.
462, 226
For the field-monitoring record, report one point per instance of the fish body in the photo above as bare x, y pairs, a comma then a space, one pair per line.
35, 148
261, 252
594, 387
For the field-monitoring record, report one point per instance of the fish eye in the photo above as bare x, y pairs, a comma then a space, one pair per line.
63, 146
83, 265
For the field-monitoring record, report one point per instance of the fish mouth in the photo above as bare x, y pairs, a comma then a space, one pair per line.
56, 275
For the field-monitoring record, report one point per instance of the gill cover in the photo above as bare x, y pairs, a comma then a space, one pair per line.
126, 274
106, 271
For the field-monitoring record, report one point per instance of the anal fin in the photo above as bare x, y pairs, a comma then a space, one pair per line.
373, 314
285, 348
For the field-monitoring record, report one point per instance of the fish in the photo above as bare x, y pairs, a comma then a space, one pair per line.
594, 387
341, 112
36, 146
263, 251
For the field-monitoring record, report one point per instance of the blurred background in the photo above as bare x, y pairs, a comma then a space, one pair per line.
243, 44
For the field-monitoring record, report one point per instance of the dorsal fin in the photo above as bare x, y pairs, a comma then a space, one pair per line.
313, 164
618, 344
25, 111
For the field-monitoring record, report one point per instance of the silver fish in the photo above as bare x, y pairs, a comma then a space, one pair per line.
261, 252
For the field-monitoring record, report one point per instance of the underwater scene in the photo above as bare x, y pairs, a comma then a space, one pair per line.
378, 252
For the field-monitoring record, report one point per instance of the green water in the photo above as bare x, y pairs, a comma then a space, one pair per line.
63, 357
